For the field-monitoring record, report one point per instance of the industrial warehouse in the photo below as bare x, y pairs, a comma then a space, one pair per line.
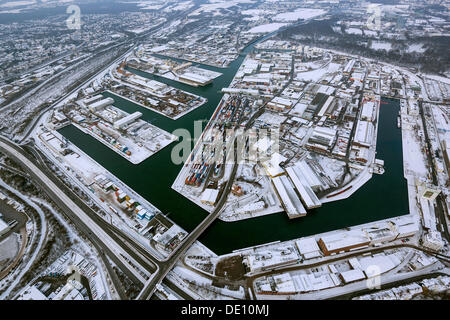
224, 150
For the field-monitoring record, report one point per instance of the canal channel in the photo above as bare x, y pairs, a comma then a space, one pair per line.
384, 196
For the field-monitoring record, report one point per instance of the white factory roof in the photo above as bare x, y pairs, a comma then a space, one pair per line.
309, 282
262, 145
368, 111
381, 234
284, 283
101, 103
209, 196
283, 101
349, 66
251, 63
32, 293
426, 212
358, 76
326, 132
251, 92
379, 264
328, 90
194, 77
343, 240
309, 175
129, 118
408, 230
288, 197
93, 99
150, 84
325, 106
303, 282
269, 258
354, 263
272, 166
364, 133
256, 79
68, 293
404, 220
299, 109
352, 275
308, 247
307, 194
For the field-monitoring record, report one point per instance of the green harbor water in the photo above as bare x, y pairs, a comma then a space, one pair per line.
382, 197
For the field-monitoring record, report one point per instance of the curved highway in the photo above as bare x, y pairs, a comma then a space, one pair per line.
121, 256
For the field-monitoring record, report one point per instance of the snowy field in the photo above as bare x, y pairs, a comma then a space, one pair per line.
300, 13
270, 27
381, 45
215, 6
316, 75
416, 47
12, 4
354, 31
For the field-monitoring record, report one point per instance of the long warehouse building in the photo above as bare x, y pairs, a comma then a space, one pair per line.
288, 197
126, 120
101, 104
93, 99
343, 241
308, 196
364, 134
195, 79
312, 179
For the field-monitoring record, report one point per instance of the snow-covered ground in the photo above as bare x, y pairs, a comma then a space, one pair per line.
417, 47
381, 45
300, 13
354, 31
266, 28
215, 6
83, 170
35, 253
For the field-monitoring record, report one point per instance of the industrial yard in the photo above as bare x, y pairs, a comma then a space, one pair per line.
71, 277
224, 150
126, 134
151, 94
143, 60
321, 107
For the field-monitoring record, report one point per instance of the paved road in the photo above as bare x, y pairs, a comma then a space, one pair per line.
79, 216
35, 121
170, 262
149, 288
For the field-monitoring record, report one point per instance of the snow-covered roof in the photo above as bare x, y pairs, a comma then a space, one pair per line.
288, 197
307, 245
209, 196
377, 265
352, 275
272, 166
408, 229
32, 293
309, 174
364, 133
343, 240
3, 225
309, 197
368, 110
